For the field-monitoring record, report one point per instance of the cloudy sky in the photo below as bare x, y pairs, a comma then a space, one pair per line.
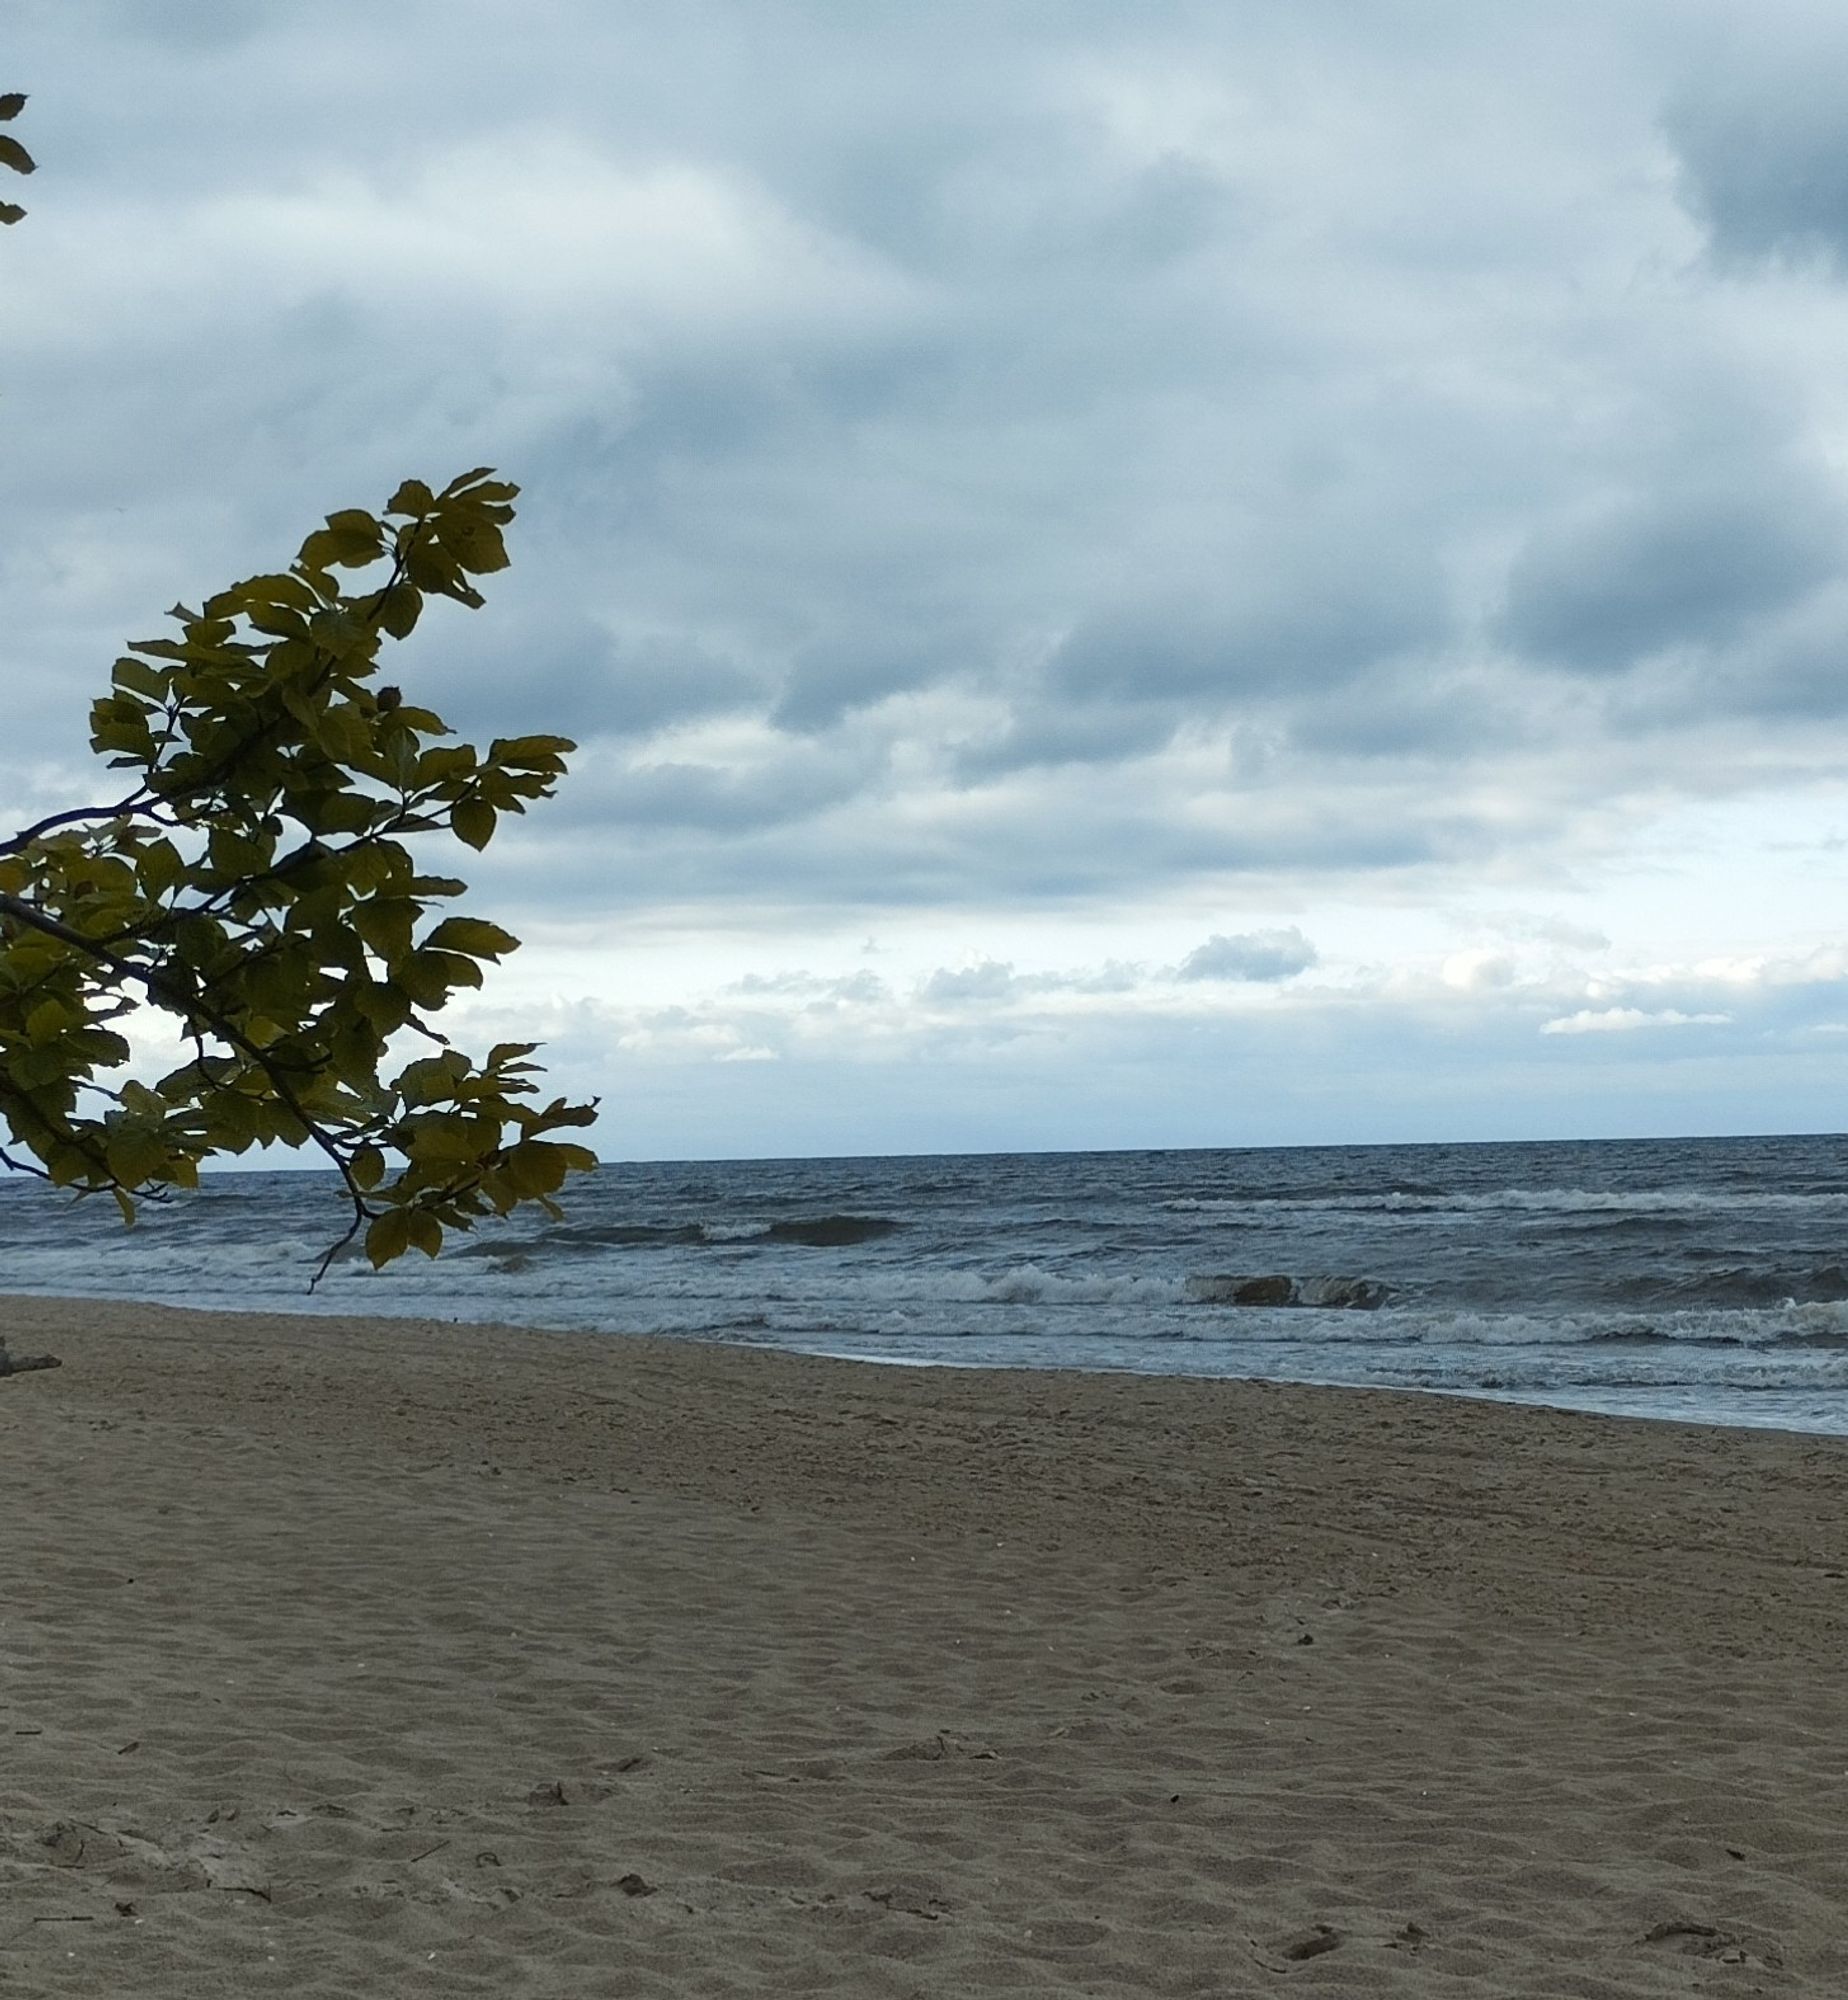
1158, 574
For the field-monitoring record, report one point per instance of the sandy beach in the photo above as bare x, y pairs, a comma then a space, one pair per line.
375, 1658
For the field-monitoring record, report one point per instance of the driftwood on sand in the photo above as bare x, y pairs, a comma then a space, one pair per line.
23, 1364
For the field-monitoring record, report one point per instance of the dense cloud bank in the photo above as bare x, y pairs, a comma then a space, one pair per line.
984, 458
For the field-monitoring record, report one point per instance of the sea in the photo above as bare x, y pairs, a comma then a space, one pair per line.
1704, 1280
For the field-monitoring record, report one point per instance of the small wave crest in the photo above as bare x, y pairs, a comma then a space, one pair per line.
831, 1232
1033, 1284
1739, 1285
1332, 1294
1734, 1373
1820, 1325
820, 1232
1626, 1203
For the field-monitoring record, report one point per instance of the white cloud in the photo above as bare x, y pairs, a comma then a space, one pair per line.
1627, 1020
1474, 971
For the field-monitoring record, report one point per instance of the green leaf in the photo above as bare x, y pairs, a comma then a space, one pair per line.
134, 1157
531, 753
14, 155
473, 935
445, 1136
473, 820
159, 868
137, 677
426, 1081
537, 1168
386, 924
389, 1237
424, 1232
47, 1021
429, 976
382, 1004
398, 609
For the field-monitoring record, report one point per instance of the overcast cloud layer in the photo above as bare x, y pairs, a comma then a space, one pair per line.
1125, 575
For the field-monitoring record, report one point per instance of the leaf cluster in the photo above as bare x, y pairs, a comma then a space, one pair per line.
257, 882
12, 153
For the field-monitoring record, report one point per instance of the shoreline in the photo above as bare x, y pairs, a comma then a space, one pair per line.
1585, 1404
890, 1680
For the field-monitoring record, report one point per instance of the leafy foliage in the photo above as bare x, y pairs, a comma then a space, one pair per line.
255, 883
12, 153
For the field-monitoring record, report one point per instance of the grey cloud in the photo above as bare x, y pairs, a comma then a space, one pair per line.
857, 988
1560, 931
659, 798
612, 843
1052, 732
189, 26
1151, 383
576, 678
1764, 154
827, 680
1113, 976
993, 979
1318, 622
1799, 671
1617, 585
1122, 683
990, 980
651, 683
1258, 956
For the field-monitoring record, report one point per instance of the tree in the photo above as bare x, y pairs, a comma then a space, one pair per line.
254, 883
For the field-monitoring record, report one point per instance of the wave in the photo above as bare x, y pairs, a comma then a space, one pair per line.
1032, 1284
831, 1232
1733, 1374
1818, 1326
1625, 1202
822, 1232
1738, 1285
1334, 1294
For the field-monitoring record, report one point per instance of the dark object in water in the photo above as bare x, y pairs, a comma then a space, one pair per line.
1332, 1294
830, 1232
23, 1364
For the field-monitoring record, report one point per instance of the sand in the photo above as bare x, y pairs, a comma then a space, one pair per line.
357, 1658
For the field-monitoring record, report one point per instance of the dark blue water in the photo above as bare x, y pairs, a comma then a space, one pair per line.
1688, 1278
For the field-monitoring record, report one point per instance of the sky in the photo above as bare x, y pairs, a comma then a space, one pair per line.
1156, 575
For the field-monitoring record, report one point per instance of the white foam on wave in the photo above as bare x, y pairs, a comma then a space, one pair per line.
1724, 1370
1517, 1201
1822, 1325
1033, 1284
